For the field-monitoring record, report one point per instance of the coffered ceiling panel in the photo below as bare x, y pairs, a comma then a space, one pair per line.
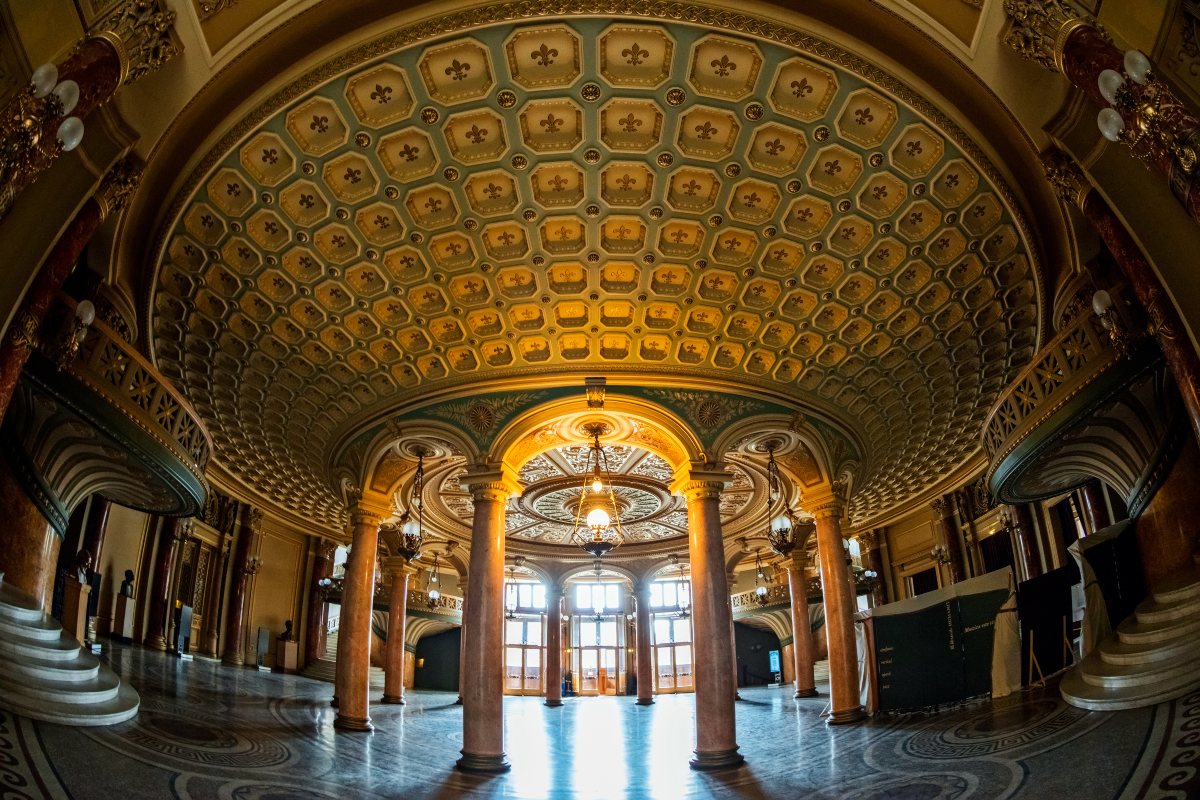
567, 195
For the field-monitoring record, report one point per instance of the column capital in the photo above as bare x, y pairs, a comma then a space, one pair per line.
183, 529
361, 514
1040, 29
701, 481
942, 507
1066, 178
495, 482
118, 186
394, 566
832, 504
142, 34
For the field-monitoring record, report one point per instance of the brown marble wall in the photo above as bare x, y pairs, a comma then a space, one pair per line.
29, 549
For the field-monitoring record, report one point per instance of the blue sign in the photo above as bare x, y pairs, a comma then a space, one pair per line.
774, 656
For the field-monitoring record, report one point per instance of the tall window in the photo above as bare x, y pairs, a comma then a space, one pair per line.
523, 656
525, 596
603, 596
670, 594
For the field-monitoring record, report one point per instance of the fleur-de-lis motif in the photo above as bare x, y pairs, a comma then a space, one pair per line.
233, 189
634, 55
706, 130
563, 233
779, 254
557, 183
630, 123
732, 243
492, 191
879, 192
802, 87
951, 180
832, 167
979, 210
434, 205
690, 188
458, 70
723, 66
206, 220
679, 236
943, 243
758, 290
353, 175
916, 218
271, 227
715, 282
863, 115
913, 148
307, 200
410, 152
623, 232
849, 232
244, 253
320, 123
381, 94
751, 200
270, 155
453, 248
626, 182
544, 56
804, 214
774, 147
552, 123
477, 134
506, 238
883, 254
338, 240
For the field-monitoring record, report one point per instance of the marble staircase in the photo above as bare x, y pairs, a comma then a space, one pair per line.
1150, 658
46, 675
325, 667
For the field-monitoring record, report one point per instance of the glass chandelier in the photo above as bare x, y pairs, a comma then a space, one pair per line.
510, 596
431, 578
412, 532
784, 530
596, 530
760, 589
685, 603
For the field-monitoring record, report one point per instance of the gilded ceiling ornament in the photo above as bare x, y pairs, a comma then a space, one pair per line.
482, 415
1040, 28
118, 186
143, 35
210, 8
1066, 178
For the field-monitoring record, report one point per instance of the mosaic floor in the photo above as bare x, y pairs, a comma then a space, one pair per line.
207, 731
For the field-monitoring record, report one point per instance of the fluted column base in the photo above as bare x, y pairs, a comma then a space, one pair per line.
355, 724
392, 700
229, 661
486, 765
156, 643
806, 693
846, 716
717, 759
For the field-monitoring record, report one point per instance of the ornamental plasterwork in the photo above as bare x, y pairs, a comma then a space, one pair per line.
759, 208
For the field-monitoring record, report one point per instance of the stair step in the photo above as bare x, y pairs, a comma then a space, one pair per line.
1183, 585
1097, 672
1114, 651
42, 627
80, 669
63, 648
1076, 691
101, 688
1132, 631
122, 706
15, 604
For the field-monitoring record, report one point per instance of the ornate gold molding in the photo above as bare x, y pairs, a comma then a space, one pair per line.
142, 33
118, 186
1068, 180
1040, 29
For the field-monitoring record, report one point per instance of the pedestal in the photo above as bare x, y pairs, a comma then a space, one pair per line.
75, 602
287, 657
123, 618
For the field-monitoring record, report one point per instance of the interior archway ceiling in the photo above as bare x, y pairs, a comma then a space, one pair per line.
576, 195
553, 481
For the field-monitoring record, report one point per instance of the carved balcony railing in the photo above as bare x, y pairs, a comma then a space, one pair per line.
1058, 373
111, 367
417, 600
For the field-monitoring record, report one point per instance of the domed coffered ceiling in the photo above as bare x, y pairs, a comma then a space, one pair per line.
574, 195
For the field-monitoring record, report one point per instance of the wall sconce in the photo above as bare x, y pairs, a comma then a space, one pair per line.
940, 554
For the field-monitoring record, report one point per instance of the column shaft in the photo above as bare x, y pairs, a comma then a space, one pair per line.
554, 646
716, 734
642, 645
164, 559
943, 512
314, 634
393, 676
235, 652
1095, 512
29, 555
839, 617
483, 676
93, 532
1025, 540
353, 682
802, 644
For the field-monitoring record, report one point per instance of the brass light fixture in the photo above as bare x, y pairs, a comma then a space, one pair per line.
597, 530
510, 596
685, 605
760, 589
412, 532
784, 530
431, 579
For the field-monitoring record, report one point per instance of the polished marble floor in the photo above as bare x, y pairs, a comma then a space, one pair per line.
207, 731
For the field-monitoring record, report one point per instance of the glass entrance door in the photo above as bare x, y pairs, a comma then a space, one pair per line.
523, 656
673, 655
599, 663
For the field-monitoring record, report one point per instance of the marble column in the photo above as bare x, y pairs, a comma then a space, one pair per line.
1165, 324
314, 634
93, 531
554, 650
1095, 511
483, 654
133, 40
836, 591
160, 591
712, 619
243, 568
943, 514
802, 643
730, 580
1024, 540
462, 641
353, 677
24, 332
642, 645
398, 570
873, 556
30, 544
